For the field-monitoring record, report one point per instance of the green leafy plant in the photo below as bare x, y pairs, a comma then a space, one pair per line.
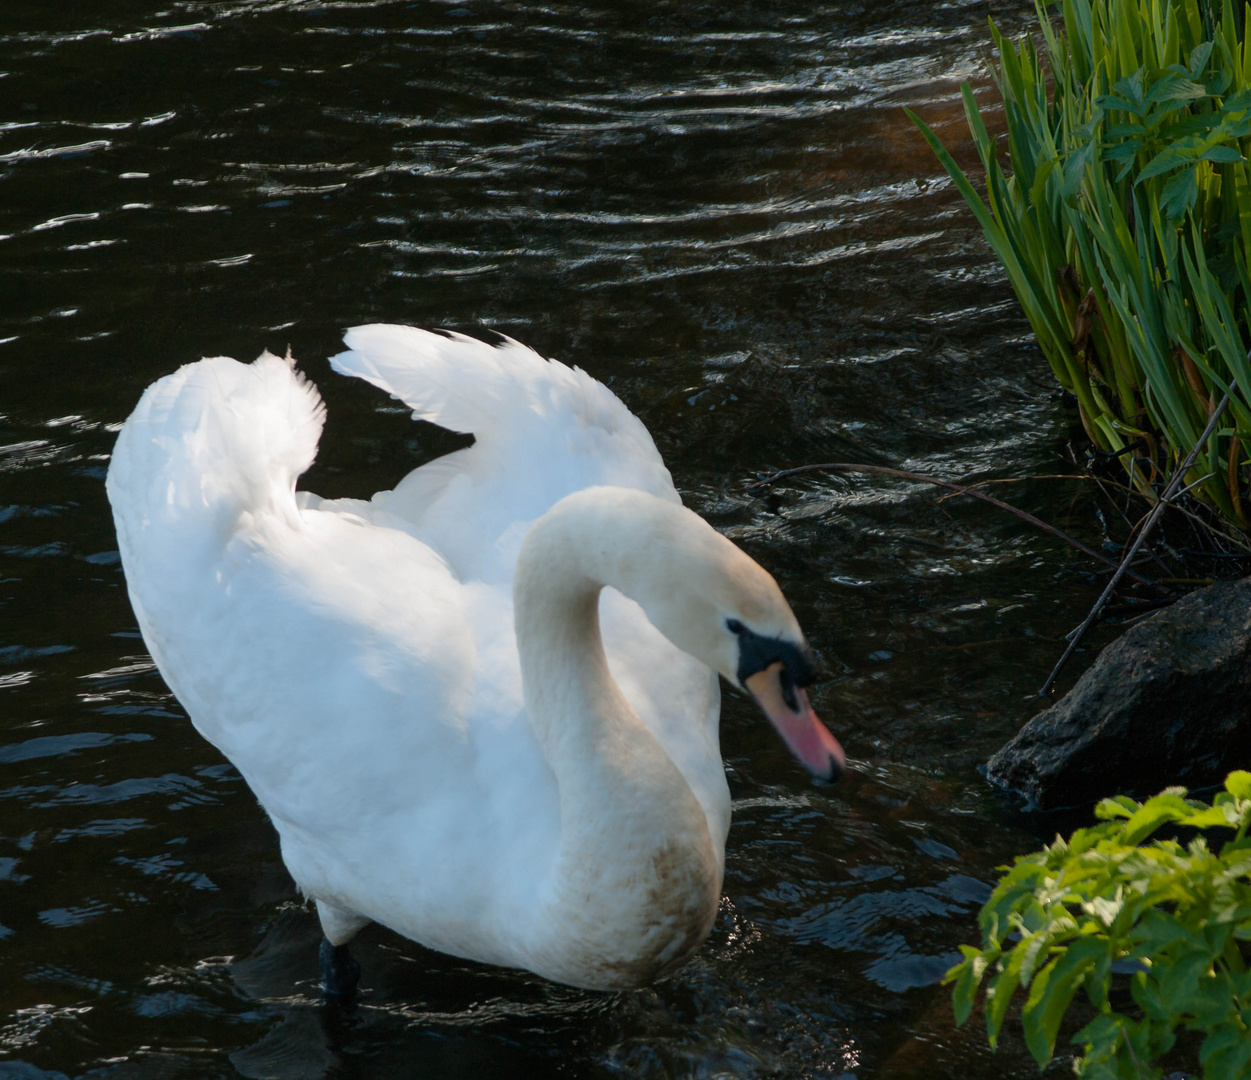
1124, 223
1068, 917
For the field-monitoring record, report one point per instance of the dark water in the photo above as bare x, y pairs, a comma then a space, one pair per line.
718, 209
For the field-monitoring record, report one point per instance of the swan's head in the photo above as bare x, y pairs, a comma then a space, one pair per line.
725, 608
702, 592
714, 601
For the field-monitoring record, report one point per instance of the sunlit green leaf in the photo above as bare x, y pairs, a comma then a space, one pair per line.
1239, 783
999, 995
1118, 806
1206, 819
1053, 990
1154, 813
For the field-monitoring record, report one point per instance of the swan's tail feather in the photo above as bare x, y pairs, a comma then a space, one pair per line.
216, 438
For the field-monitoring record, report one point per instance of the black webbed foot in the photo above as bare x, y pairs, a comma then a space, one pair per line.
339, 972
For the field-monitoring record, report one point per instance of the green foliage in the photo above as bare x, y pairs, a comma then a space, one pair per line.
1124, 223
1061, 918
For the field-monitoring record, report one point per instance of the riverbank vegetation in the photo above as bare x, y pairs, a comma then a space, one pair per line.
1152, 932
1123, 222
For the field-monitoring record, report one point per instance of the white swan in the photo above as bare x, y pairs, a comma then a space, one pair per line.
457, 730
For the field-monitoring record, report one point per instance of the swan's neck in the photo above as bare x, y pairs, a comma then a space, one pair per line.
638, 877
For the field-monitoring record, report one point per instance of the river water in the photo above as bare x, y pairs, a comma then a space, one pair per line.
718, 209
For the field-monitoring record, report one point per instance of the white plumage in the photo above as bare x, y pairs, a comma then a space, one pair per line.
357, 660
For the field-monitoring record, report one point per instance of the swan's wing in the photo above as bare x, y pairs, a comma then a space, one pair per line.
542, 430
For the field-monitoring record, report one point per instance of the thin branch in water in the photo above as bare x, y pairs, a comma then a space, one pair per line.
959, 489
1171, 491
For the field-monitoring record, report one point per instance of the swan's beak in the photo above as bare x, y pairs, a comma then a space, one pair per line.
809, 739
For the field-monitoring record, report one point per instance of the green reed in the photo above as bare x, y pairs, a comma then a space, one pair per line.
1124, 224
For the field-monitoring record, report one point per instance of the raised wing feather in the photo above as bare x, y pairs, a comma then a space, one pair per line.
542, 430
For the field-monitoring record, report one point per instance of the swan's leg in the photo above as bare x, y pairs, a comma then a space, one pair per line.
339, 972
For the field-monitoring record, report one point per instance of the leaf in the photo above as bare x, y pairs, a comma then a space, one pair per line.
1195, 124
1105, 908
1154, 813
1033, 949
1126, 95
1209, 818
1183, 152
1038, 192
999, 996
1239, 102
1075, 168
1119, 806
1179, 981
1052, 992
1199, 58
968, 976
1146, 995
1229, 1062
1222, 1038
1180, 194
1221, 154
1102, 1033
1124, 153
1016, 889
1097, 980
1175, 88
1238, 783
1159, 931
1115, 101
1234, 127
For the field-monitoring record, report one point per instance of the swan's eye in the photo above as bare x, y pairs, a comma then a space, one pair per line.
756, 652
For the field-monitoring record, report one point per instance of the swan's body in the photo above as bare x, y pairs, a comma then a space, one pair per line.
494, 783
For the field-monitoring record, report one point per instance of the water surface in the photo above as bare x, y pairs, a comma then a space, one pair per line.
721, 211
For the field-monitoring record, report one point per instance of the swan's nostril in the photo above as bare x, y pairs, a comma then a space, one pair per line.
788, 690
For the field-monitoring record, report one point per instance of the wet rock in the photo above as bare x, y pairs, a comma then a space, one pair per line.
1167, 703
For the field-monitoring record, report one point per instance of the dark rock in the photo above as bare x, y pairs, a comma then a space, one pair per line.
1167, 703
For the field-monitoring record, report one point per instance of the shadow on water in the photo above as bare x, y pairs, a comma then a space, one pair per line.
721, 211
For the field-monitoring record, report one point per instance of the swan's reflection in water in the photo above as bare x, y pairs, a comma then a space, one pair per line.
419, 1013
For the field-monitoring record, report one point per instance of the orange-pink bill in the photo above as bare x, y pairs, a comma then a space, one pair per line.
802, 731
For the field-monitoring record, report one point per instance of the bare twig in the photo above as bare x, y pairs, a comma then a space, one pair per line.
1201, 480
959, 489
1171, 491
1216, 534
